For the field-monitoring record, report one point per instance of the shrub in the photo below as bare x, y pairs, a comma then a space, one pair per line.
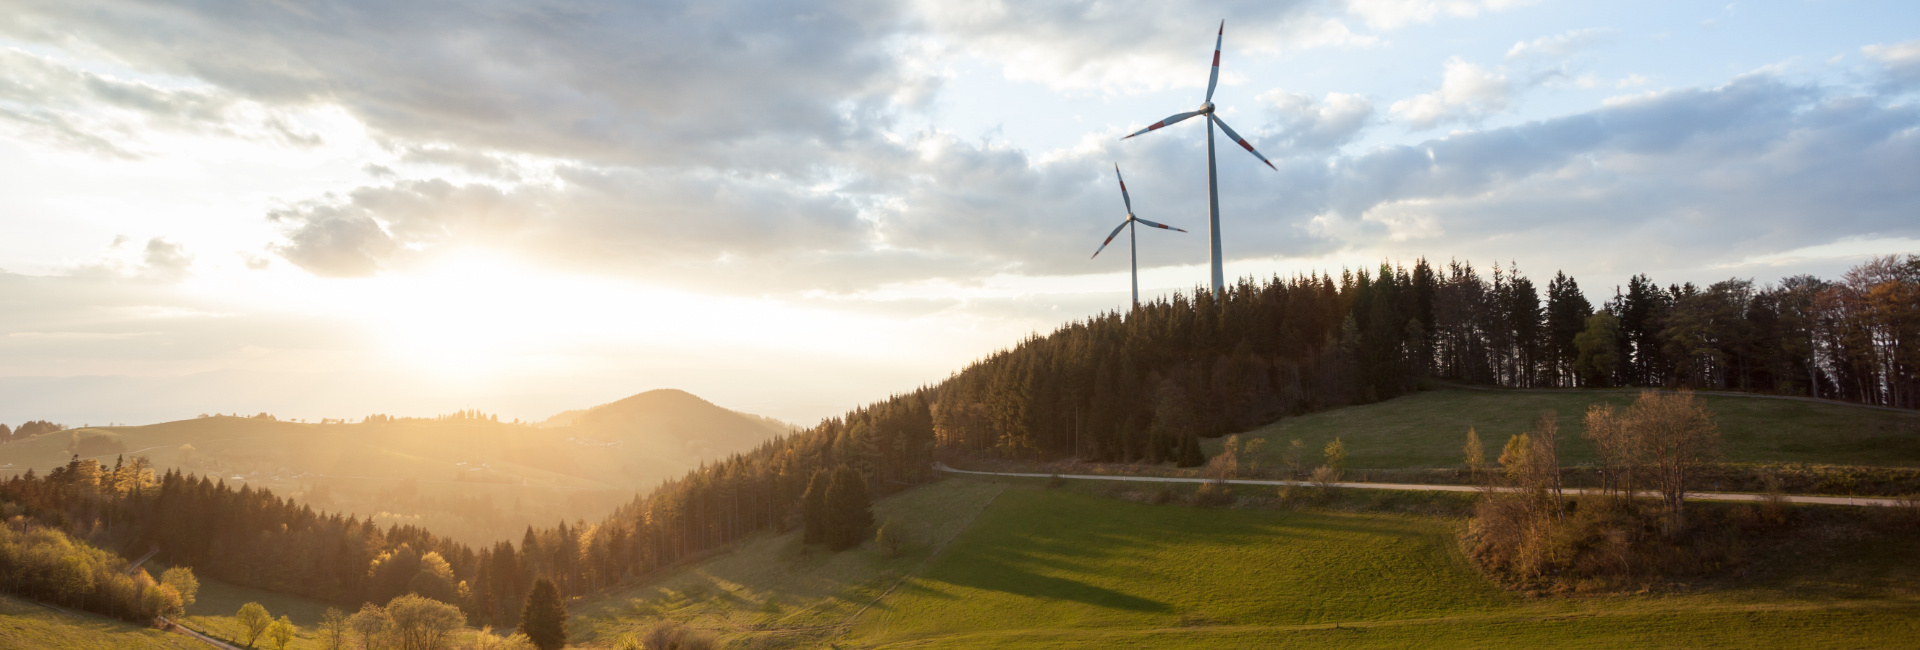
673, 636
1324, 477
891, 538
1213, 493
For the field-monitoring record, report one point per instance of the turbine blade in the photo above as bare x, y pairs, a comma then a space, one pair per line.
1123, 189
1214, 79
1243, 142
1166, 122
1110, 236
1161, 226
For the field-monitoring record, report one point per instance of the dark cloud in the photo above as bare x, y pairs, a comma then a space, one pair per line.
641, 83
335, 241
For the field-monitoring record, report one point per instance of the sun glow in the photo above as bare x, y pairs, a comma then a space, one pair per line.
478, 316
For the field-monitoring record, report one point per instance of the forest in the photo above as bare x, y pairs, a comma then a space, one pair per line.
1138, 387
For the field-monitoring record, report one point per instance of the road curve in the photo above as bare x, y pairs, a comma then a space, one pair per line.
1422, 487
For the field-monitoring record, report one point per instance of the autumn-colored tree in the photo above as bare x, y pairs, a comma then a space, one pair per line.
254, 619
280, 633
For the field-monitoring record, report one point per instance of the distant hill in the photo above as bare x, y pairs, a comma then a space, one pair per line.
668, 414
468, 477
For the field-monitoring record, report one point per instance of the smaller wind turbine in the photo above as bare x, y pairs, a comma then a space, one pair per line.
1133, 246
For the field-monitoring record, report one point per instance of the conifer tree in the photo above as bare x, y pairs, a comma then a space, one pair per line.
849, 509
544, 620
813, 508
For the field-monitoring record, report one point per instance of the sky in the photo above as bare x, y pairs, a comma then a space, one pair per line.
332, 209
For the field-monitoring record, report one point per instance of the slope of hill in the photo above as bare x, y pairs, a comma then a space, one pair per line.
1014, 565
1429, 428
473, 479
24, 624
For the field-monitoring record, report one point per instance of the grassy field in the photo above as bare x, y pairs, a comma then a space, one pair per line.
24, 624
773, 592
213, 612
1069, 568
1428, 429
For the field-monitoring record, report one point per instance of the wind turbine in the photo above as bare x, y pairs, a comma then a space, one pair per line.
1213, 184
1133, 246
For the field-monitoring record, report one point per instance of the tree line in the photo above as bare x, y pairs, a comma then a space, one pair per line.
28, 429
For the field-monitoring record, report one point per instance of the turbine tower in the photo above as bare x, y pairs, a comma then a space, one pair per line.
1133, 245
1213, 183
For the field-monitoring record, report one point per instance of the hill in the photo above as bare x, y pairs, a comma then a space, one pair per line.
1015, 565
1428, 429
695, 424
471, 478
24, 624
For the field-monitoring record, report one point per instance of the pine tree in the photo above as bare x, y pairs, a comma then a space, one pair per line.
544, 620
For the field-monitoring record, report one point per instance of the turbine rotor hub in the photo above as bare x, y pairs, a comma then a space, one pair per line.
1206, 108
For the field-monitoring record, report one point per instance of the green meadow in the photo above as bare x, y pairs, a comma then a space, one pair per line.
1428, 428
1031, 567
24, 624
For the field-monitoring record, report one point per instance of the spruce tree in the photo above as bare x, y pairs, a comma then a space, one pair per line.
544, 620
813, 509
849, 509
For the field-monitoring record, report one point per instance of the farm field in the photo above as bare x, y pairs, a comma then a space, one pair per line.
24, 624
1427, 429
1068, 568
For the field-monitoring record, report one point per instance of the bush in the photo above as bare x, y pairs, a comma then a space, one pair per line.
1324, 477
673, 636
1213, 494
891, 538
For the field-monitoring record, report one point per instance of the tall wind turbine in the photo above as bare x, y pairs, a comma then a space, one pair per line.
1133, 245
1213, 184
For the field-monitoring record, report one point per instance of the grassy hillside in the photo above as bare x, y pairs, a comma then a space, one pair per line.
24, 624
1069, 568
474, 480
1428, 429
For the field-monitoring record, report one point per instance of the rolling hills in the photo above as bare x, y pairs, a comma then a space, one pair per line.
471, 478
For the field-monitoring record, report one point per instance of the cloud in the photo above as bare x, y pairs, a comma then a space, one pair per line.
335, 241
618, 220
1559, 46
737, 84
68, 107
166, 259
1468, 93
1666, 180
1128, 46
1901, 62
1392, 14
1306, 125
